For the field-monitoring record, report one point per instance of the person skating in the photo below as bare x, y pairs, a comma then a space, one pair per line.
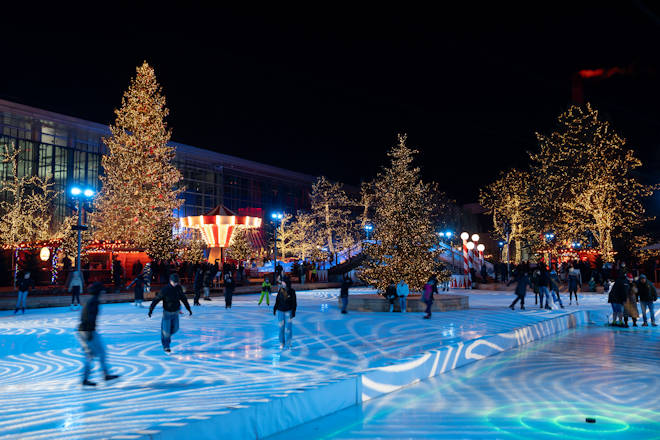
24, 285
172, 296
89, 339
554, 285
617, 296
343, 293
117, 272
521, 290
75, 285
390, 294
544, 287
402, 292
147, 276
534, 281
427, 297
229, 289
574, 281
138, 289
265, 291
207, 280
646, 294
285, 310
198, 285
630, 305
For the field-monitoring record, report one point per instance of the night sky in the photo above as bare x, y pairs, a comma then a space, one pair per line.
326, 91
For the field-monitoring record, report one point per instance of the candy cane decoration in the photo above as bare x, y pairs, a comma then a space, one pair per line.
466, 258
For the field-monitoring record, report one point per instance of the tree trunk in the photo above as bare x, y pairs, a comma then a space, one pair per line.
331, 246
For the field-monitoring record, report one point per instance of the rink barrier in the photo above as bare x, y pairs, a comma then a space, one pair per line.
265, 417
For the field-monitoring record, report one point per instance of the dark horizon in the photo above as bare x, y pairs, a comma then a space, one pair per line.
328, 94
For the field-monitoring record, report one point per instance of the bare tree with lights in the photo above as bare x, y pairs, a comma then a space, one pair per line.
586, 176
330, 208
26, 213
509, 201
140, 185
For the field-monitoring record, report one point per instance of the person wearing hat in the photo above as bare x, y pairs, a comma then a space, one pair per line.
646, 294
90, 339
172, 296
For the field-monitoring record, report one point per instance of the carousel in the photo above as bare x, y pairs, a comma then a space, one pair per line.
217, 227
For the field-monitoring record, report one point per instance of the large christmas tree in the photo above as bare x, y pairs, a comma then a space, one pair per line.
404, 235
139, 191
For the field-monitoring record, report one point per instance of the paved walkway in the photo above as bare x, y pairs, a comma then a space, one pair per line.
221, 358
544, 390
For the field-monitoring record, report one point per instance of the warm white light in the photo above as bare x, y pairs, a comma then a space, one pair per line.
475, 237
465, 236
470, 245
481, 247
44, 254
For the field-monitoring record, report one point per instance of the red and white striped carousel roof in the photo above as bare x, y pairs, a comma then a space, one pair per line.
218, 225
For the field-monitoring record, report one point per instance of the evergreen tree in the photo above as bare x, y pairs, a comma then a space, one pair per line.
240, 247
139, 191
192, 249
404, 235
161, 244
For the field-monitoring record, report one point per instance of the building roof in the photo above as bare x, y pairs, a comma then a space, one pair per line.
184, 151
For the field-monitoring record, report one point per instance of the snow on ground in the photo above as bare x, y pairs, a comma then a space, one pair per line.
221, 358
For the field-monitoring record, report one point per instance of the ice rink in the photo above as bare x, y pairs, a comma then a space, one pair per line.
544, 390
221, 360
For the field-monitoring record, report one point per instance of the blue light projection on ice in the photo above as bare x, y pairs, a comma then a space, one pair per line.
539, 391
227, 365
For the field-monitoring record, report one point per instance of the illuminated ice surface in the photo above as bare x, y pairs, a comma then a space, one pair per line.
221, 359
543, 390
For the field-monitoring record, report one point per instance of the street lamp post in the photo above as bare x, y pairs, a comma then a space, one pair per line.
277, 217
79, 193
368, 228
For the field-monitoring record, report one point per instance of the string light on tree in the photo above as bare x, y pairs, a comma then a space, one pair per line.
140, 185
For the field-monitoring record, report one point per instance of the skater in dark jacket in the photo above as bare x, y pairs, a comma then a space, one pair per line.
521, 290
138, 289
285, 310
172, 296
198, 285
390, 294
89, 338
229, 289
343, 293
24, 285
617, 297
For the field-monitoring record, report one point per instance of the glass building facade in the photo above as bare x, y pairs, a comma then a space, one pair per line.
69, 151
